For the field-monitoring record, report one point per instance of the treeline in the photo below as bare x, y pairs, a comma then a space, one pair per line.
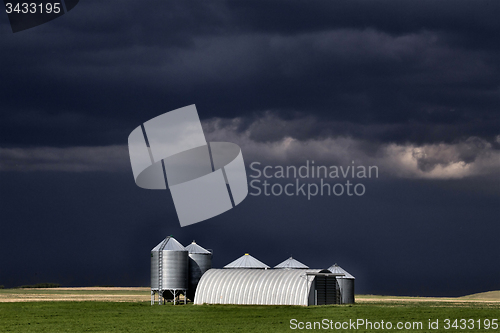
41, 285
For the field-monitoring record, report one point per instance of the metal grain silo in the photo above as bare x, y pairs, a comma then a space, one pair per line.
200, 261
346, 284
169, 269
291, 263
247, 261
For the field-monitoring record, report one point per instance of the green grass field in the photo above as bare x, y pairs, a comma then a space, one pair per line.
142, 317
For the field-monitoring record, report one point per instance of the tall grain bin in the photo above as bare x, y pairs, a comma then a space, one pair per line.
200, 261
169, 269
346, 283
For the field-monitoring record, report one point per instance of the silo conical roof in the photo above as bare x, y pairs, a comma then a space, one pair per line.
169, 244
195, 248
292, 264
337, 269
246, 261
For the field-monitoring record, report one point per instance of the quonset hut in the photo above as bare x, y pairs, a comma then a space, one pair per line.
249, 281
346, 283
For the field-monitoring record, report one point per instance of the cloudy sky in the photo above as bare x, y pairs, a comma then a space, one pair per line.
410, 87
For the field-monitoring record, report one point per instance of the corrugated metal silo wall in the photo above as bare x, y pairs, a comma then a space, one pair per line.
154, 270
175, 270
346, 290
199, 263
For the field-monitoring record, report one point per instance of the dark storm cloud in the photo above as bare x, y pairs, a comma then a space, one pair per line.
274, 141
74, 159
394, 17
392, 71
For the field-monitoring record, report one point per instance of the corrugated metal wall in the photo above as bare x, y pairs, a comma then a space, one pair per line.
347, 290
175, 270
199, 263
154, 270
253, 286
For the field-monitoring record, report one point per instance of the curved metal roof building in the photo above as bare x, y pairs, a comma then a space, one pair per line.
262, 287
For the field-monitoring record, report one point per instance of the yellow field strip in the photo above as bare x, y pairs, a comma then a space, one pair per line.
422, 299
142, 294
103, 294
486, 297
73, 298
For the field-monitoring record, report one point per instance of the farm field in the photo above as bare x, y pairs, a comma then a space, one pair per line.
111, 314
107, 294
490, 296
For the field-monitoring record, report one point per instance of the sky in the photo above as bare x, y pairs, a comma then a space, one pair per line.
412, 88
